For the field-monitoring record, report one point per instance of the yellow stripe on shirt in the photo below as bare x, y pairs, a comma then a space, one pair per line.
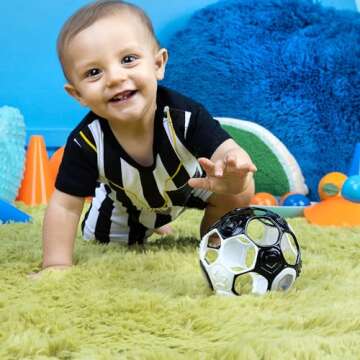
88, 141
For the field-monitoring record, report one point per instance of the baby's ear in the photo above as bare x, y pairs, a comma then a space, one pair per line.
71, 90
161, 59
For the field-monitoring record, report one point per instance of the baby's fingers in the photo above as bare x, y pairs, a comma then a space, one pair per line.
207, 165
212, 168
200, 183
235, 166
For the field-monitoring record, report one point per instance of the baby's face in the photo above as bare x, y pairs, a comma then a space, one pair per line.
113, 67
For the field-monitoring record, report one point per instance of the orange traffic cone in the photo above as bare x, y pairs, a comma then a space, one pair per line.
54, 164
36, 186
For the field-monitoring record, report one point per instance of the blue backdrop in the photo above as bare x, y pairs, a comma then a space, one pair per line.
31, 79
292, 66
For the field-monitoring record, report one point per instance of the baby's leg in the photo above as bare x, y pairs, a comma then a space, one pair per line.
220, 204
164, 230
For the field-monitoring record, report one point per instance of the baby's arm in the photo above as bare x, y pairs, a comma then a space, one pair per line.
60, 226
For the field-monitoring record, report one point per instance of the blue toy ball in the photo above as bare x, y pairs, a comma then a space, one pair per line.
351, 188
12, 151
296, 200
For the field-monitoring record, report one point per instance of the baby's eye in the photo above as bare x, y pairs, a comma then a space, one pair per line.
92, 72
128, 59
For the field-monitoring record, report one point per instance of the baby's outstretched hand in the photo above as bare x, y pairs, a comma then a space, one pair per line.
230, 175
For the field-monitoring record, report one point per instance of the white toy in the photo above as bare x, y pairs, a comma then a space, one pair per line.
250, 250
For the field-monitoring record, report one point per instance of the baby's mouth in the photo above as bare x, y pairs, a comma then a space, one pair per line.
123, 96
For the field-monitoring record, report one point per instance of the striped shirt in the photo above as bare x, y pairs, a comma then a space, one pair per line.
131, 200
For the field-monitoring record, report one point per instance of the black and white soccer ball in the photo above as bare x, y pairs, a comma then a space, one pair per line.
250, 250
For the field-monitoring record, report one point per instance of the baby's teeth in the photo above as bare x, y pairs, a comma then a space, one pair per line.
121, 97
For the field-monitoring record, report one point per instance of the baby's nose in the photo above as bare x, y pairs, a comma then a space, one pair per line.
115, 75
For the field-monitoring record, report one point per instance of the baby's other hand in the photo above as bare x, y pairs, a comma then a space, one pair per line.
41, 273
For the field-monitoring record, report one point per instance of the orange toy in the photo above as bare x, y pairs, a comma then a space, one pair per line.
55, 162
330, 185
334, 211
36, 186
263, 198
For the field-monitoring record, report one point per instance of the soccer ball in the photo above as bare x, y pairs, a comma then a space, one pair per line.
250, 250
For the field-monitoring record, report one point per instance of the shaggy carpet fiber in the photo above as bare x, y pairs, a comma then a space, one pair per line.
291, 66
129, 304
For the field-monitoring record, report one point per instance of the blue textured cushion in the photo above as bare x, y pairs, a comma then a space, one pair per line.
12, 151
292, 66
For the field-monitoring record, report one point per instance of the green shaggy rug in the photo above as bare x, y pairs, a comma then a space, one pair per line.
125, 304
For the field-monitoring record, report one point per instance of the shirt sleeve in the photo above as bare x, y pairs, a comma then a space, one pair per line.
204, 134
78, 172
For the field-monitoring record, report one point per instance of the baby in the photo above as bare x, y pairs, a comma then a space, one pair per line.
144, 152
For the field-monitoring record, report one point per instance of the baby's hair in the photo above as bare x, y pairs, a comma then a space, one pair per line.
89, 14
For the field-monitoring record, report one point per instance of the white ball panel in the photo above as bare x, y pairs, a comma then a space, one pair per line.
235, 252
284, 280
260, 284
221, 278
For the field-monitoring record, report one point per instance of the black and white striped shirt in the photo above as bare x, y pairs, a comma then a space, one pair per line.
130, 199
